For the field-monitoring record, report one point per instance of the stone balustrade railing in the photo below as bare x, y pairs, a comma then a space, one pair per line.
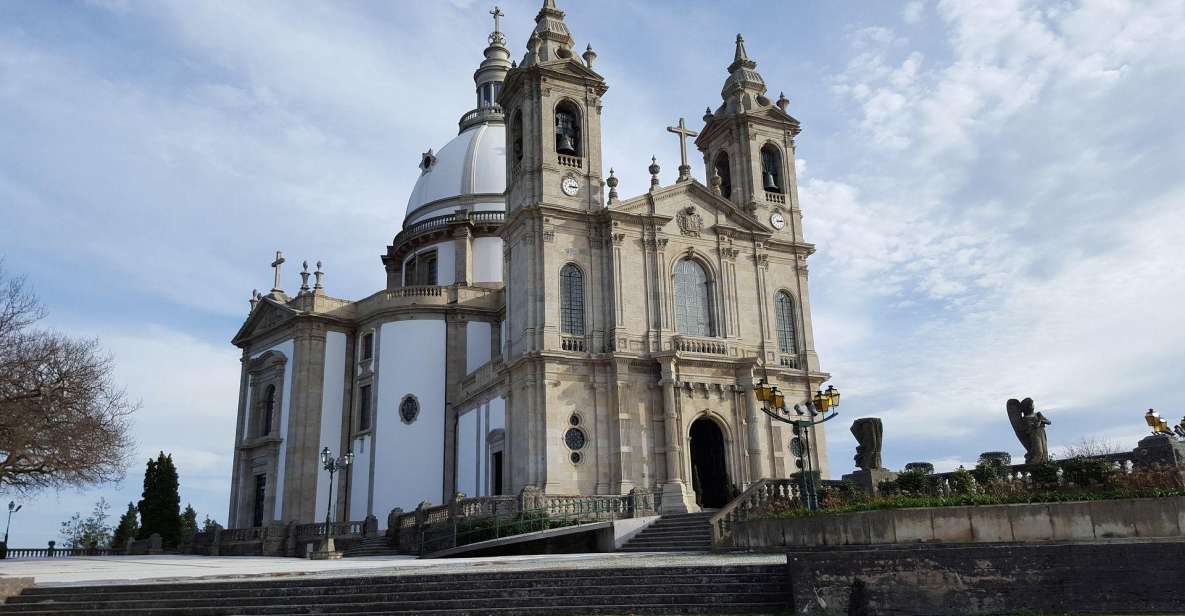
703, 346
570, 161
573, 343
438, 223
408, 528
761, 493
774, 197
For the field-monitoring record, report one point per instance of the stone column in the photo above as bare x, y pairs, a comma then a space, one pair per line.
753, 417
301, 460
675, 494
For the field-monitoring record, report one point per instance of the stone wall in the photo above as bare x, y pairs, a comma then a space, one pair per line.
1070, 521
1113, 576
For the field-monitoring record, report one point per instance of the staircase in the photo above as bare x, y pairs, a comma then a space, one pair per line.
727, 589
371, 546
684, 532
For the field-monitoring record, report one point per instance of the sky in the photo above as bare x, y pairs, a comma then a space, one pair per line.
995, 191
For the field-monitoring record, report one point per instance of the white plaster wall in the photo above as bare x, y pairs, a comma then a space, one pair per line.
360, 478
409, 459
286, 349
468, 453
494, 418
446, 272
333, 388
477, 345
487, 259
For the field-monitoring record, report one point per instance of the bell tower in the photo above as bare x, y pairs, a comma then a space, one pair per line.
748, 146
552, 102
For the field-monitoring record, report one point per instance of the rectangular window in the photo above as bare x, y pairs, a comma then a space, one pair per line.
260, 492
367, 346
364, 408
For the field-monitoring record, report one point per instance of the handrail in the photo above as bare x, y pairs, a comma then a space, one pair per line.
443, 221
759, 493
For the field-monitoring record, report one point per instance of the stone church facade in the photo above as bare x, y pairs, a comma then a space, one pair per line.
538, 330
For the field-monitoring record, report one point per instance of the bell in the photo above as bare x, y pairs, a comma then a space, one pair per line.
771, 183
564, 145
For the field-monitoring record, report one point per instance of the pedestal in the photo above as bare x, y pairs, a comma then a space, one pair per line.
325, 551
869, 480
676, 498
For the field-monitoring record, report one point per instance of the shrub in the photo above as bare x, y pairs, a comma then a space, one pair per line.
1087, 472
922, 467
992, 467
961, 482
913, 483
1043, 473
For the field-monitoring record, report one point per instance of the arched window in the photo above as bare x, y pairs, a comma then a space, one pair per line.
572, 300
693, 300
724, 172
269, 409
771, 168
784, 313
516, 134
567, 129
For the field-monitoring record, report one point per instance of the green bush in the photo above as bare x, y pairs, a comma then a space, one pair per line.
1043, 473
1086, 472
913, 482
961, 482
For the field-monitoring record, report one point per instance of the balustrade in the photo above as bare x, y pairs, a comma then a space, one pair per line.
774, 197
571, 161
703, 346
572, 343
762, 493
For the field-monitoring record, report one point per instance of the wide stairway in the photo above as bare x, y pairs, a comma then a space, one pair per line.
684, 532
731, 589
371, 546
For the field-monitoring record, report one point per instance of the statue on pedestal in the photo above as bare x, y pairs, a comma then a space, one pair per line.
868, 431
1029, 426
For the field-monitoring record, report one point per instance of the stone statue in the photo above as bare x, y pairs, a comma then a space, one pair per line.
1029, 426
868, 431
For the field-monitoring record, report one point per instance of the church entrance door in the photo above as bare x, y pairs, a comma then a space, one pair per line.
709, 473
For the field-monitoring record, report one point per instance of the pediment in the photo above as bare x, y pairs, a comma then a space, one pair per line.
691, 209
267, 315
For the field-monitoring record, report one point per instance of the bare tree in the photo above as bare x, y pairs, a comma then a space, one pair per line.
63, 422
1089, 447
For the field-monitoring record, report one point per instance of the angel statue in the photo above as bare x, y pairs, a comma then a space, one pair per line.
1029, 426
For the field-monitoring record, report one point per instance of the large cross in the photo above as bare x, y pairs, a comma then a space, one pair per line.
684, 133
497, 13
276, 266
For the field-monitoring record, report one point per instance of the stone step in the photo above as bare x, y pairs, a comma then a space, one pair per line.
443, 585
618, 575
662, 532
399, 597
638, 608
368, 602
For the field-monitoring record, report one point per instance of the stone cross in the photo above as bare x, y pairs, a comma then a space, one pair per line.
684, 133
498, 14
276, 266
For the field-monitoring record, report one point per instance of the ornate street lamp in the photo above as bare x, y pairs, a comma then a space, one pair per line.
333, 465
12, 508
812, 413
1158, 424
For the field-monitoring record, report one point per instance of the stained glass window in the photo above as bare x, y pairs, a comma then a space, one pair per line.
784, 313
572, 300
693, 300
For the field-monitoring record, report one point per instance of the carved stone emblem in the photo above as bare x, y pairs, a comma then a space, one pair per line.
690, 223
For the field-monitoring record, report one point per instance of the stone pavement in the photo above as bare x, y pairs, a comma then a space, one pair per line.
180, 569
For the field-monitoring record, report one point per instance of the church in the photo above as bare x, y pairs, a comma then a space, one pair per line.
537, 328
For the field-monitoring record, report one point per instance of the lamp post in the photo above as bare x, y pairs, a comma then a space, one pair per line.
333, 465
12, 508
805, 416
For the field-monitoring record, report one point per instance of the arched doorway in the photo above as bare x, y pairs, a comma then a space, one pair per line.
709, 473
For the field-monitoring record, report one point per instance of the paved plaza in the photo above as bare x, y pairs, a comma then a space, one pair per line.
171, 568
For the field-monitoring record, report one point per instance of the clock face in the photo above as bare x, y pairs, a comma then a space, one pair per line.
777, 220
570, 186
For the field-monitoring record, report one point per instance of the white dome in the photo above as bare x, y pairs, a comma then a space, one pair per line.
473, 163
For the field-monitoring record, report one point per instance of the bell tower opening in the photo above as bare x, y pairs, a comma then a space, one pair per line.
567, 129
771, 169
724, 172
709, 472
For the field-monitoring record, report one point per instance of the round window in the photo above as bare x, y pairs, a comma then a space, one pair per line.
574, 419
574, 438
409, 409
574, 457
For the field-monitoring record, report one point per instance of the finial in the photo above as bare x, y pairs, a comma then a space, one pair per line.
714, 182
496, 37
783, 102
276, 266
654, 169
318, 274
304, 278
514, 64
741, 54
707, 114
254, 298
589, 56
612, 182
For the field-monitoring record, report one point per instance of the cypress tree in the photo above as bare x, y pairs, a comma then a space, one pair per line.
160, 507
129, 525
188, 521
